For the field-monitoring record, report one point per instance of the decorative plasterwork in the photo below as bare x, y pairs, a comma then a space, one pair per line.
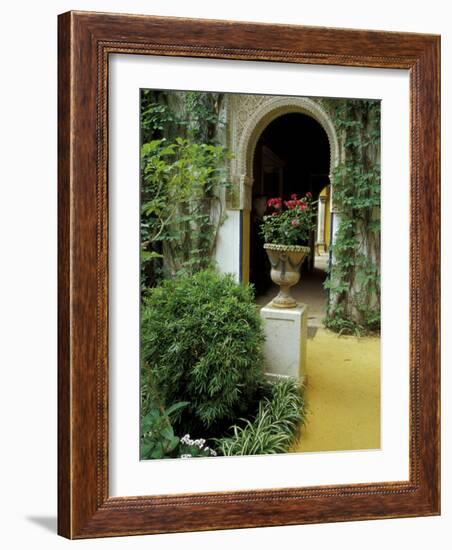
249, 116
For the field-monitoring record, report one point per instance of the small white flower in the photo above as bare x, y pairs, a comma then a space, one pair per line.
185, 456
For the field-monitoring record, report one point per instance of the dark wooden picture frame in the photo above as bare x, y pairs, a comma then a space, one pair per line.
86, 40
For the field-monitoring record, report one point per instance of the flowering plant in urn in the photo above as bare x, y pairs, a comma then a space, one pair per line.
286, 232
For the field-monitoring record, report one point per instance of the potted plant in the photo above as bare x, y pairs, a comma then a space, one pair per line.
286, 232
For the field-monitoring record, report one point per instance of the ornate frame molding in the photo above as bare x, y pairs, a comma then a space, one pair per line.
85, 508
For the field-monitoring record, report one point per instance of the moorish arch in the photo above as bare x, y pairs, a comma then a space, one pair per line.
254, 114
246, 117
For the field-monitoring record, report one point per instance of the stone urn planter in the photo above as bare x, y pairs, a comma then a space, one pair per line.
285, 263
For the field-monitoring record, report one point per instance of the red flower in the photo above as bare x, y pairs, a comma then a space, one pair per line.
275, 214
294, 196
295, 223
309, 194
291, 204
275, 202
303, 206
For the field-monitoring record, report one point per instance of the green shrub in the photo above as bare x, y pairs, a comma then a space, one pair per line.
157, 435
201, 340
275, 427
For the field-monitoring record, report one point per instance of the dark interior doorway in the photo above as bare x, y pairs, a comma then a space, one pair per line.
291, 156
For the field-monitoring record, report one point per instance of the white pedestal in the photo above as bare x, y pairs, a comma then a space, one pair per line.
286, 332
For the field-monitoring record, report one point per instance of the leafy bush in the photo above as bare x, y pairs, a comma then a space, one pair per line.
275, 427
157, 435
202, 343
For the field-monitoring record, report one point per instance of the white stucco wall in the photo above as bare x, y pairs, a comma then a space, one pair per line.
228, 248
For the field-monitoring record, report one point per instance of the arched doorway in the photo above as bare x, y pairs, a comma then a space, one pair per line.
292, 155
249, 117
252, 115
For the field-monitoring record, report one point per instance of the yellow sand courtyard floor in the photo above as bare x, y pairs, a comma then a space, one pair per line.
342, 393
343, 377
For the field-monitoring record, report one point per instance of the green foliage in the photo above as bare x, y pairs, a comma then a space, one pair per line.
180, 209
155, 117
275, 427
157, 435
354, 279
169, 114
203, 115
291, 222
201, 339
180, 152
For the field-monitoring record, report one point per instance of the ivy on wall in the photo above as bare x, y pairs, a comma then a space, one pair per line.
354, 278
182, 170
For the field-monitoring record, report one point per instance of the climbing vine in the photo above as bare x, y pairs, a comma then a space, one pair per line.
182, 173
354, 278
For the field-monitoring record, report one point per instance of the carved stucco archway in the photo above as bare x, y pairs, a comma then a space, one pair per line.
252, 114
245, 117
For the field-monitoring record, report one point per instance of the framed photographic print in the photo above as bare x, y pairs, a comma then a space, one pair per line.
248, 275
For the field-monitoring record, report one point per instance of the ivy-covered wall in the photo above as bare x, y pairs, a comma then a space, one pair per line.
183, 167
354, 278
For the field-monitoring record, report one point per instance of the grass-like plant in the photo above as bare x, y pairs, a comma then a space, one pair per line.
275, 427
